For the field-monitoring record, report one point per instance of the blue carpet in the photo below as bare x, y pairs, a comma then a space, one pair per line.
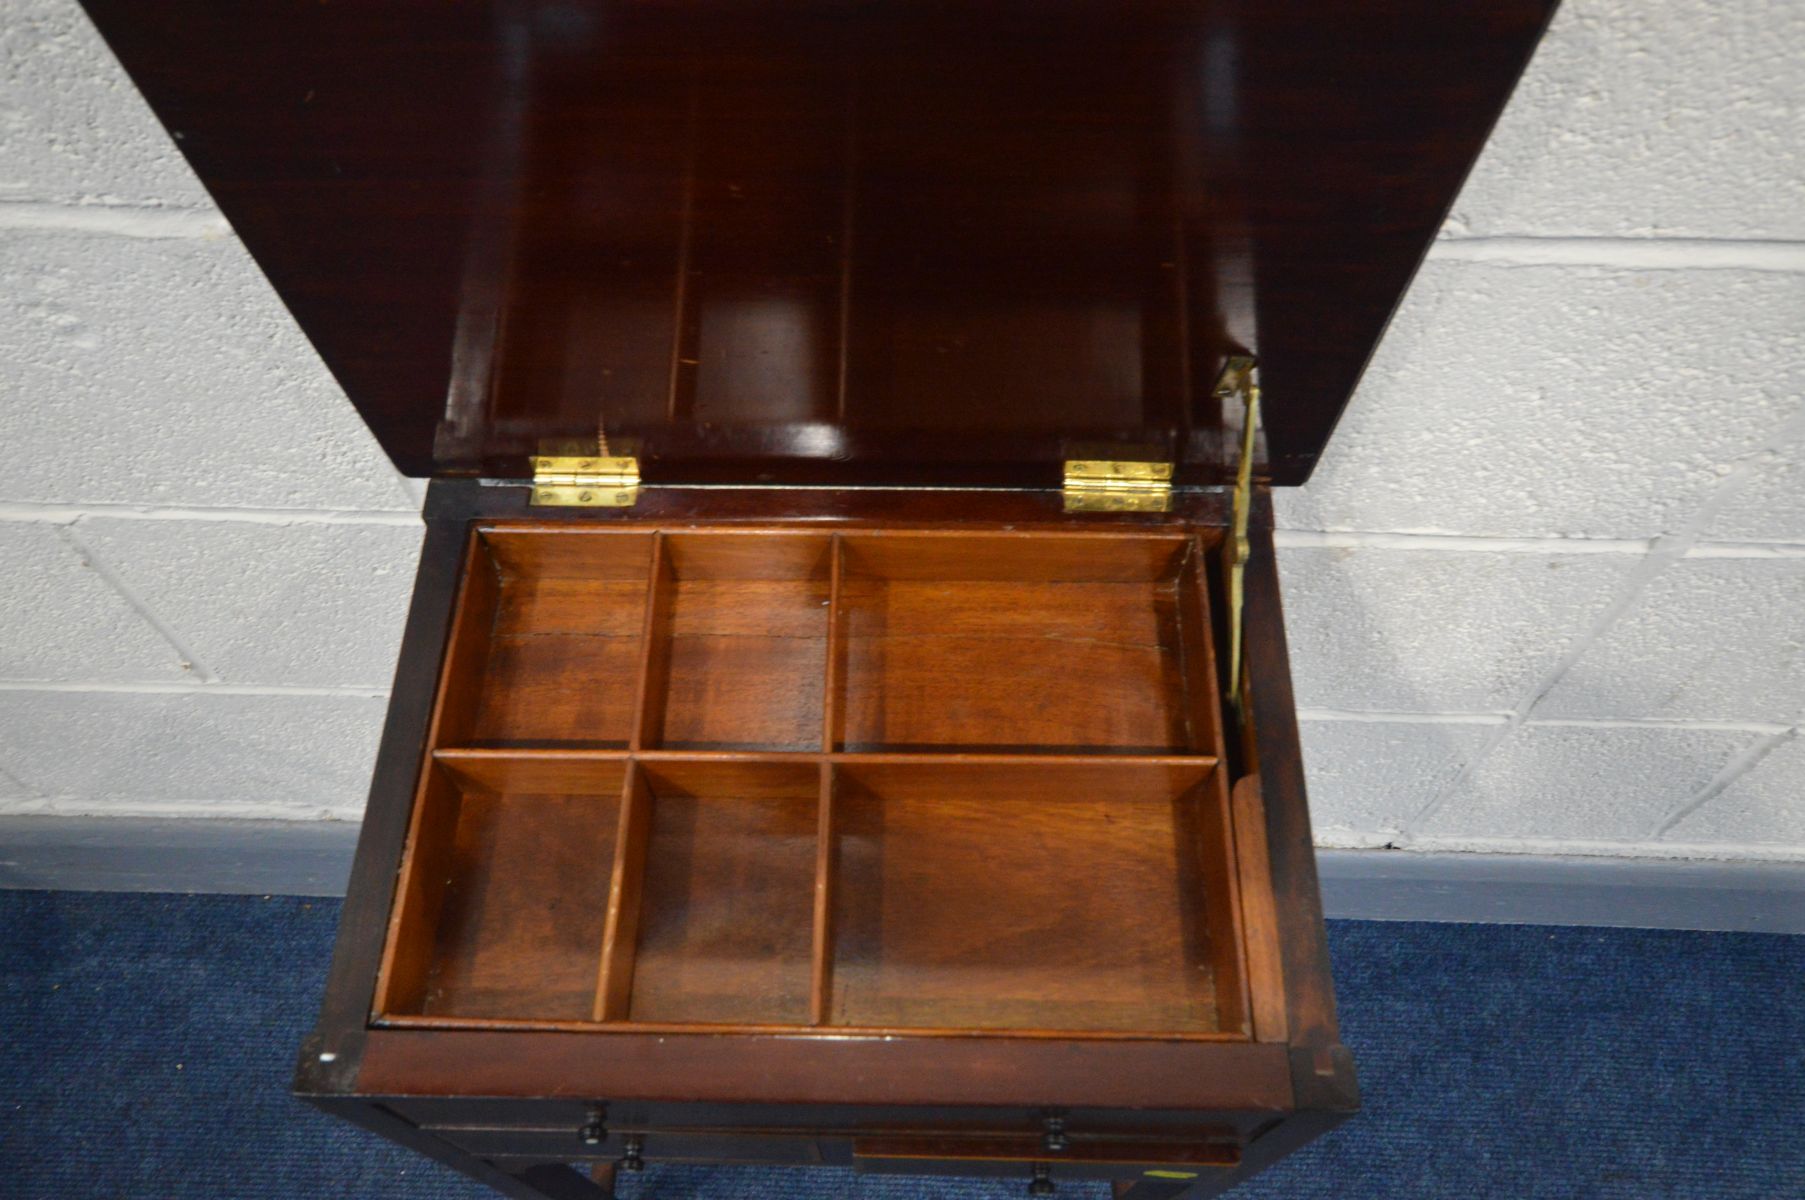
149, 1040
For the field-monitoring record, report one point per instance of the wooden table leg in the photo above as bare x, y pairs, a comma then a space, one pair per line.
556, 1181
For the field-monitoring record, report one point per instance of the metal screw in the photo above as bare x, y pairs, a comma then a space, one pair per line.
1042, 1183
633, 1159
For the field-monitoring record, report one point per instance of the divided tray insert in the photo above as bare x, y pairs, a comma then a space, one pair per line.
873, 780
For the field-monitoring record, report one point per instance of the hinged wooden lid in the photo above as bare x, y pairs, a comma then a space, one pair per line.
903, 242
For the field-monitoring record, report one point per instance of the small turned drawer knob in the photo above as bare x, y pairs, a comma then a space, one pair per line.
633, 1156
1054, 1138
595, 1130
1042, 1183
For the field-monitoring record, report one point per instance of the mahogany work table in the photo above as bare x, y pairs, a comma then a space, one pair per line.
844, 715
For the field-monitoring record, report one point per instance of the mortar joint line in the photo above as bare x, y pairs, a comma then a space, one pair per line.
189, 687
1330, 716
156, 222
1453, 543
1626, 849
70, 514
77, 804
1648, 253
1358, 716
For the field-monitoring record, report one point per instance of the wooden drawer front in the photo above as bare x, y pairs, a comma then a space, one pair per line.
453, 1116
1081, 1158
904, 1155
563, 1146
481, 1113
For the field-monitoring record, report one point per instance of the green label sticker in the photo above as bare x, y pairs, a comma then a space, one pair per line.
1171, 1174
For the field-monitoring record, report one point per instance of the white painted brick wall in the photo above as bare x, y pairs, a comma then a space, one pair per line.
1544, 592
1771, 506
65, 622
218, 752
165, 371
74, 130
1573, 401
1662, 118
1759, 808
206, 556
1370, 778
312, 604
12, 789
1392, 630
1563, 784
1709, 638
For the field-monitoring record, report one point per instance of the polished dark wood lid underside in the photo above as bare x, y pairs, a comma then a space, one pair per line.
903, 242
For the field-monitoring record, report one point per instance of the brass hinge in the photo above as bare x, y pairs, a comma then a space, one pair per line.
1237, 383
567, 480
1101, 485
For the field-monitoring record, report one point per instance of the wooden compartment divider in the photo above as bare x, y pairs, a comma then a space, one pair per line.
741, 878
537, 770
420, 894
653, 677
833, 705
1223, 902
1265, 980
1197, 653
466, 657
821, 965
620, 936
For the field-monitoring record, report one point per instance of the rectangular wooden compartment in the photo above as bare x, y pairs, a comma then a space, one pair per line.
890, 780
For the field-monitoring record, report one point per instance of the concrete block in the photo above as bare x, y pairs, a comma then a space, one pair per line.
1709, 638
1667, 118
1560, 402
306, 603
10, 787
1427, 631
72, 126
1367, 779
1550, 783
1770, 507
1764, 807
167, 373
205, 753
61, 622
